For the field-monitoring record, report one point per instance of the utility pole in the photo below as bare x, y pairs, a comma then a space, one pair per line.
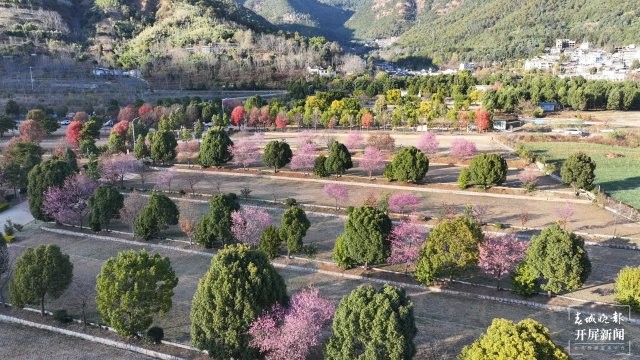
31, 75
133, 129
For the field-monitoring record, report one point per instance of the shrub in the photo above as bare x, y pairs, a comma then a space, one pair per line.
525, 281
488, 169
8, 228
462, 148
627, 287
155, 335
525, 154
319, 168
409, 165
9, 238
579, 171
270, 242
529, 179
62, 316
464, 179
340, 255
289, 202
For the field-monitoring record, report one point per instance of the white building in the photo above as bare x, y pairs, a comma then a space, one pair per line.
467, 66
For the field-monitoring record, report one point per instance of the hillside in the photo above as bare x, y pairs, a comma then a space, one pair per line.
500, 29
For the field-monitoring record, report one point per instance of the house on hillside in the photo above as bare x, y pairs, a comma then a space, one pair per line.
320, 71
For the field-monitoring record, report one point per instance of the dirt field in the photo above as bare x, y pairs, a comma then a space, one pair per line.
44, 344
452, 321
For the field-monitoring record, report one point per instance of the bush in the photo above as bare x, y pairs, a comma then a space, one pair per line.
270, 242
340, 255
318, 167
488, 169
9, 238
309, 250
8, 228
538, 112
4, 206
62, 316
525, 154
627, 287
464, 179
525, 281
155, 335
409, 165
290, 202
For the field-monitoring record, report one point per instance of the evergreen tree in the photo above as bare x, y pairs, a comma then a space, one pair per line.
163, 147
215, 226
319, 168
579, 171
197, 129
270, 242
6, 124
559, 258
527, 339
44, 175
141, 150
92, 168
71, 159
27, 154
627, 287
277, 154
39, 273
294, 228
159, 212
373, 324
132, 288
88, 147
365, 236
239, 286
339, 159
105, 204
214, 150
488, 169
409, 165
450, 249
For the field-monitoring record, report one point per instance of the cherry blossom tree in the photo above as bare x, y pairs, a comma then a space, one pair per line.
188, 220
400, 202
373, 159
73, 133
304, 137
237, 115
133, 205
354, 141
254, 117
115, 167
428, 144
407, 238
529, 179
564, 213
461, 148
187, 151
164, 179
31, 130
245, 152
500, 254
248, 224
338, 192
305, 157
290, 333
69, 203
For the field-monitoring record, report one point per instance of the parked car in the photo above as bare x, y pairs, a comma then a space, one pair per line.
109, 122
574, 132
65, 122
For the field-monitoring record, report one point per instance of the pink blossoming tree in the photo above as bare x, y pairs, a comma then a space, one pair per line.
164, 179
245, 152
115, 167
462, 148
69, 203
354, 141
529, 179
372, 160
407, 238
564, 213
428, 144
500, 254
401, 202
305, 157
290, 333
338, 192
248, 223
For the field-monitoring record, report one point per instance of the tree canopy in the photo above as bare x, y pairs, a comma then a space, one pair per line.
339, 159
105, 204
409, 165
579, 171
215, 226
365, 236
488, 169
214, 149
44, 175
293, 228
277, 154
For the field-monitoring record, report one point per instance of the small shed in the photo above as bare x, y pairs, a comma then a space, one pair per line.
549, 106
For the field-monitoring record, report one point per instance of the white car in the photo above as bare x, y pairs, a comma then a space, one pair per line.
573, 132
65, 122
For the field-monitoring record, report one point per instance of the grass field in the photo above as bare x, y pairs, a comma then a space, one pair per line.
619, 177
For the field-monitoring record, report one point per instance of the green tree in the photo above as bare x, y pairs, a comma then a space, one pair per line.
44, 175
579, 171
214, 149
627, 287
525, 280
133, 287
318, 166
559, 258
215, 226
71, 159
270, 242
450, 249
117, 142
464, 179
88, 147
527, 339
105, 204
141, 150
488, 169
163, 146
293, 228
239, 286
373, 324
159, 212
197, 129
277, 154
339, 159
14, 176
41, 272
365, 235
27, 154
6, 124
48, 124
91, 128
92, 167
409, 165
12, 108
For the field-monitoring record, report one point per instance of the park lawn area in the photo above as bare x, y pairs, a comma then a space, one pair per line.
618, 177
